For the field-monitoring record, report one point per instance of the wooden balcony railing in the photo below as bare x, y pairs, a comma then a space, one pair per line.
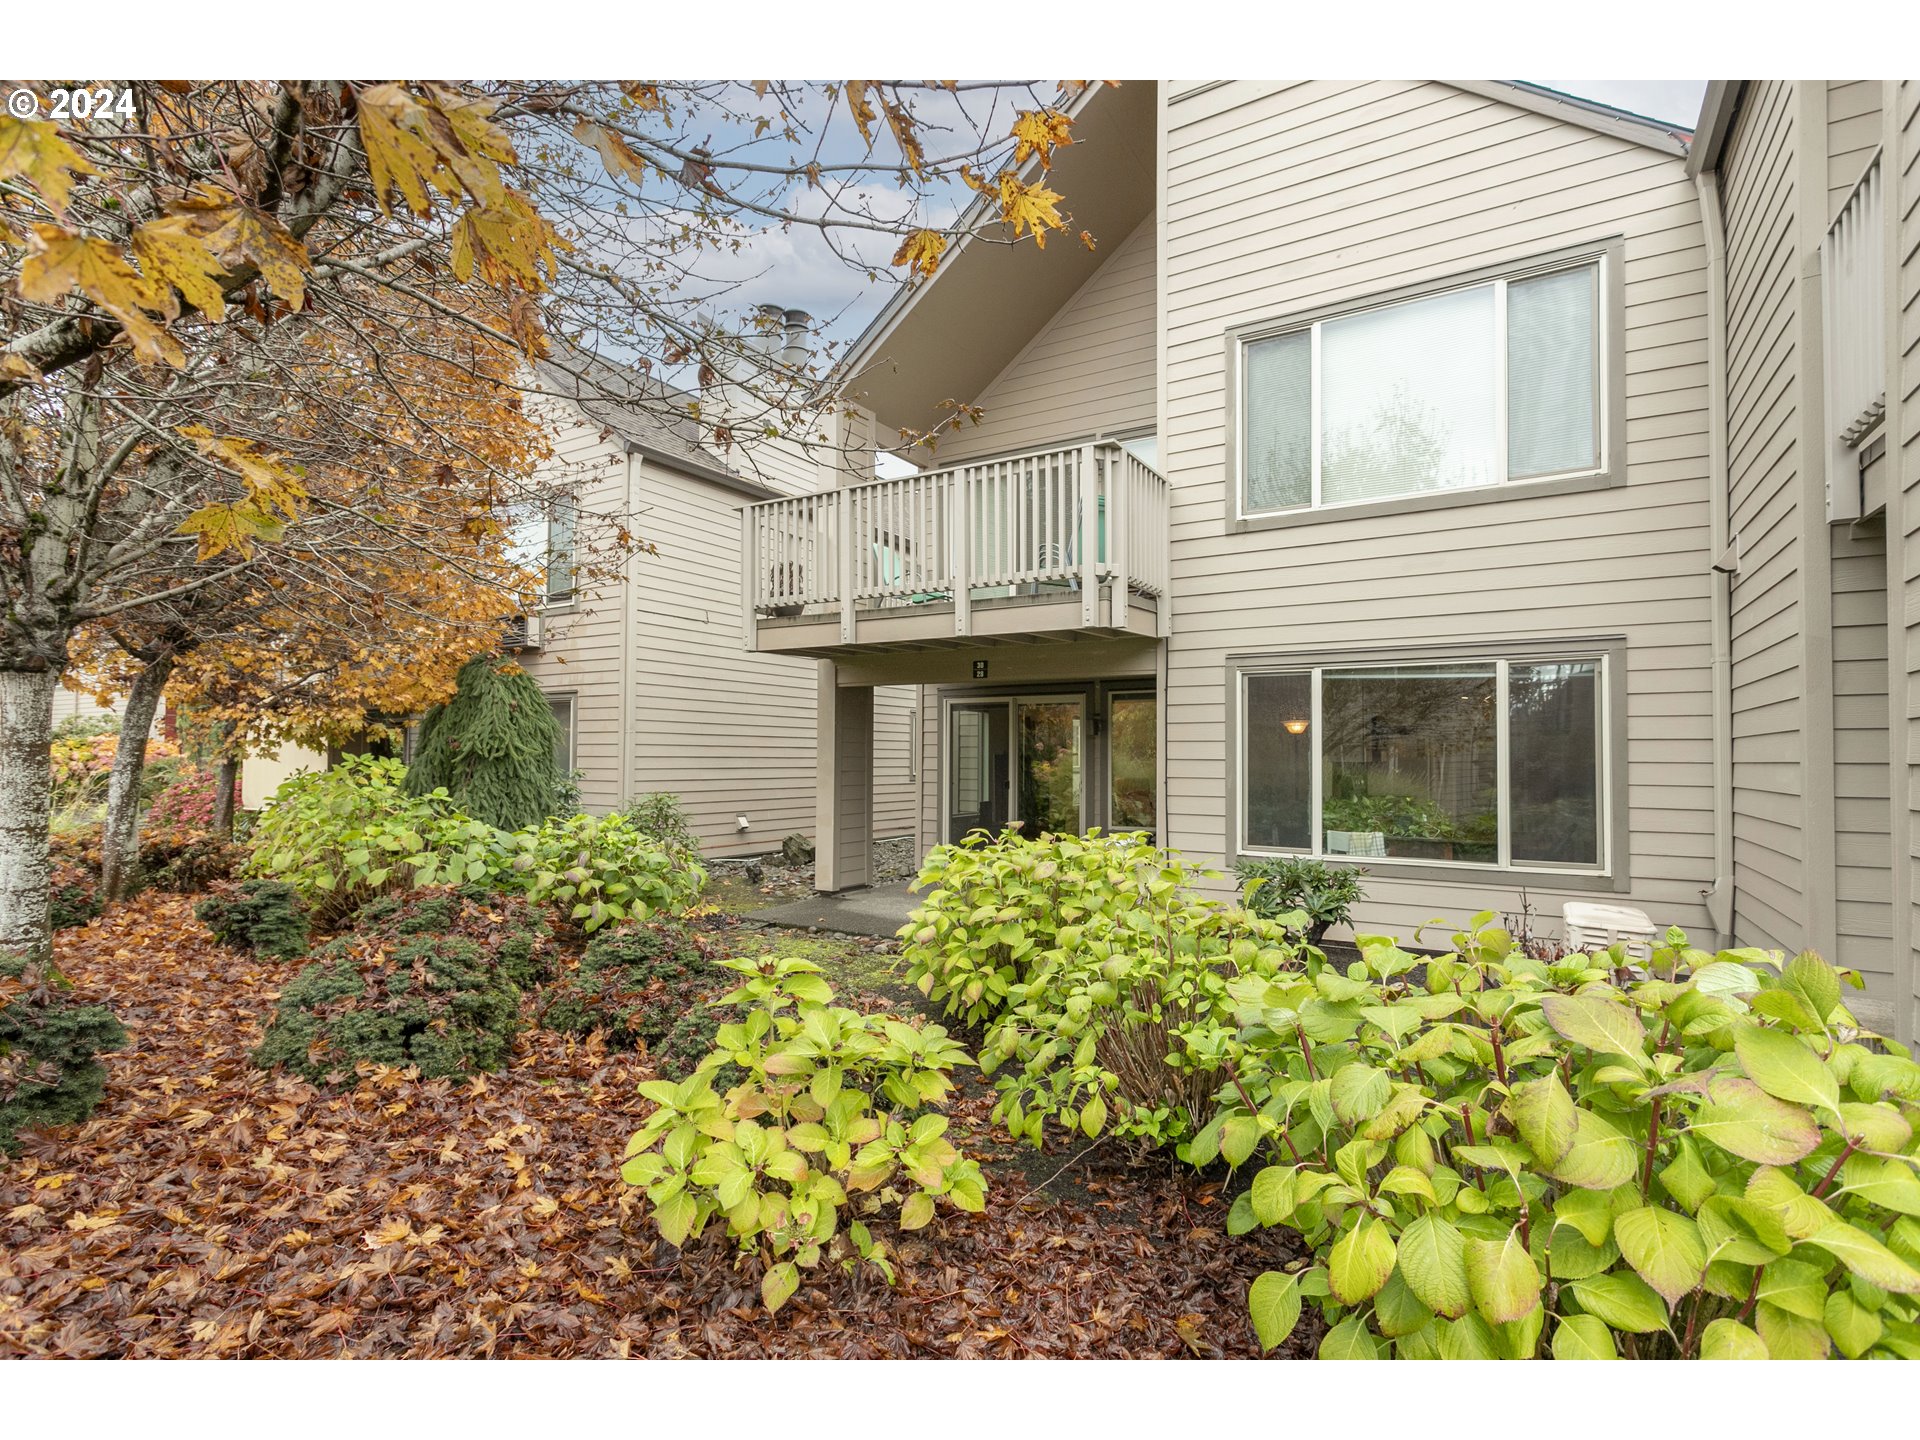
1853, 270
1077, 518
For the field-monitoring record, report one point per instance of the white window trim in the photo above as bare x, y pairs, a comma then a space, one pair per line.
1601, 258
572, 697
1603, 741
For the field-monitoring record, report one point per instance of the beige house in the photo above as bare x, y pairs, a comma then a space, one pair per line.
650, 679
1430, 475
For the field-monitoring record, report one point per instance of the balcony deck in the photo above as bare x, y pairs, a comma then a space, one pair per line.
987, 553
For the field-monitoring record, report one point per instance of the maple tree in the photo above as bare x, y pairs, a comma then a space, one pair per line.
161, 268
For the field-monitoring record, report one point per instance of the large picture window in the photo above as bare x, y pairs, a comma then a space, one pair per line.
1460, 389
1477, 762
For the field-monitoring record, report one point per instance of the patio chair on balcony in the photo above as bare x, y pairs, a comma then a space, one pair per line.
891, 566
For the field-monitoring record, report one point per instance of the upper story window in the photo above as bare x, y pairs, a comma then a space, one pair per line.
540, 537
1465, 387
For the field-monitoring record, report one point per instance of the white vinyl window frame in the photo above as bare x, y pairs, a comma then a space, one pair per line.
1606, 796
1604, 258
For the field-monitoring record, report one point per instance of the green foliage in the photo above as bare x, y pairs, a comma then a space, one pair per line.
599, 869
432, 982
261, 915
49, 1070
999, 906
663, 819
1277, 885
491, 747
825, 1112
344, 835
644, 984
1509, 1157
1109, 1022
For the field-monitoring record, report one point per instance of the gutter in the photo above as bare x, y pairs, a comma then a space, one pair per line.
689, 466
1725, 550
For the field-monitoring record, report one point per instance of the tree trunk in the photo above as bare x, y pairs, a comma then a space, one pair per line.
26, 787
226, 783
120, 836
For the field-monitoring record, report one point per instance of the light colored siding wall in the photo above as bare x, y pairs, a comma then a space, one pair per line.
1089, 372
1863, 854
1903, 447
583, 642
1853, 130
896, 768
730, 732
1765, 483
1284, 197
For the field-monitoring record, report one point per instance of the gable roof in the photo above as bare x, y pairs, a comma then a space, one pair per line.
987, 300
648, 416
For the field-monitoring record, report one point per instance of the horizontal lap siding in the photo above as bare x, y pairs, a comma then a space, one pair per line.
1862, 845
1903, 447
1765, 483
1853, 133
730, 732
1090, 371
1285, 198
582, 643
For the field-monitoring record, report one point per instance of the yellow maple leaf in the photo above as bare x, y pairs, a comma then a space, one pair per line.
1029, 208
59, 261
510, 244
1040, 132
921, 251
173, 251
618, 156
862, 108
34, 151
443, 141
391, 1233
222, 527
241, 232
270, 484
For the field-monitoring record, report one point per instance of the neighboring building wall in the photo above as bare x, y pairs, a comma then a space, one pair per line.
261, 775
76, 705
1901, 132
1764, 468
1853, 133
1863, 854
1089, 372
1279, 198
730, 732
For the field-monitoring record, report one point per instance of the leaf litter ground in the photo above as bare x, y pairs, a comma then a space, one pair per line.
212, 1209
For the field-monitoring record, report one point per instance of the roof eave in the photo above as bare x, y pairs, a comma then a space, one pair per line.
1717, 110
693, 470
1605, 119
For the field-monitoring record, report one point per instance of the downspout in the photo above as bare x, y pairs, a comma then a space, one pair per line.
1724, 548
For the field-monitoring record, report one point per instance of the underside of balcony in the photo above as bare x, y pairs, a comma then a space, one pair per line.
1050, 547
1036, 619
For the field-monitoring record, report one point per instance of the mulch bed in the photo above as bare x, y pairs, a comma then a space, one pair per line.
212, 1209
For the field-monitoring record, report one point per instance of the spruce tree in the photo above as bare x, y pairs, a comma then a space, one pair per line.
492, 746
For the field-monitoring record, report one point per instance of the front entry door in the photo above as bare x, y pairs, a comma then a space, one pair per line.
1021, 758
979, 769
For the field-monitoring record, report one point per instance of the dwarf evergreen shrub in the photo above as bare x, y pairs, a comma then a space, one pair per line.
50, 1073
645, 985
433, 981
491, 747
261, 915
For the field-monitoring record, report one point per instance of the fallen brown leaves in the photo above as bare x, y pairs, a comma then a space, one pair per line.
211, 1209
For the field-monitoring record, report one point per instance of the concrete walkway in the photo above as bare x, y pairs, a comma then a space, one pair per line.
880, 910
